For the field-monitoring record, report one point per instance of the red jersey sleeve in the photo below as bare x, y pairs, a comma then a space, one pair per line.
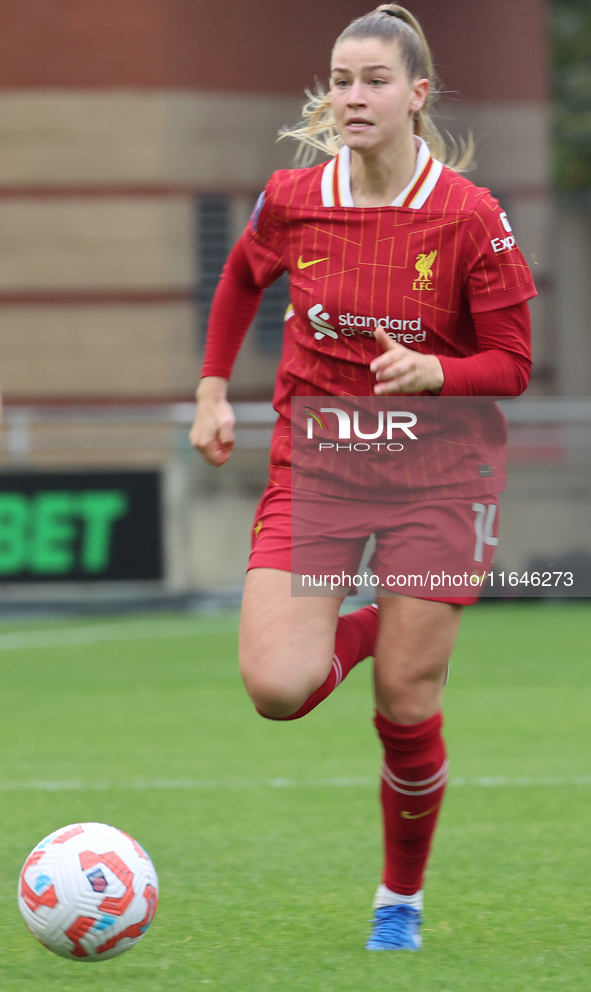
502, 366
263, 238
233, 308
496, 274
253, 264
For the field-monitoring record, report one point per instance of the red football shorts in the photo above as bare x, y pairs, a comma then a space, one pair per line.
429, 549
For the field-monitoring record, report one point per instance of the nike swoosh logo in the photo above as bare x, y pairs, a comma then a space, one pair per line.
417, 816
304, 265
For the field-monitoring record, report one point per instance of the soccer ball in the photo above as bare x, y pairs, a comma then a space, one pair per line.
88, 892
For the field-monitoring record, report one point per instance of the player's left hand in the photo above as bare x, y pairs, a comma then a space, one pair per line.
400, 370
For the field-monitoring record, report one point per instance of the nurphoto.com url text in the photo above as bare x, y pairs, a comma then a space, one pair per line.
438, 580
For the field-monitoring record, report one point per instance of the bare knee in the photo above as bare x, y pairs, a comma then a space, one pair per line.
277, 691
273, 700
286, 643
407, 701
415, 642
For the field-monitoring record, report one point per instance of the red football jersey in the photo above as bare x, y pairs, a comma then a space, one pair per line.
419, 268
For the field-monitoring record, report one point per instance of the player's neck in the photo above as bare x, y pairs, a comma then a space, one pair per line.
377, 179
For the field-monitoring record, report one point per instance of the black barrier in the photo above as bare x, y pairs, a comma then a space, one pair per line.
80, 526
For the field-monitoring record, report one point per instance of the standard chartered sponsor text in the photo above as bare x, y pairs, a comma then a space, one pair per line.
409, 331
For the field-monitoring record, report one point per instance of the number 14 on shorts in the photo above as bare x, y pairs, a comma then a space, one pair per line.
484, 522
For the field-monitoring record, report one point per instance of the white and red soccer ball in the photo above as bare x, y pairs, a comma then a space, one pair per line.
88, 892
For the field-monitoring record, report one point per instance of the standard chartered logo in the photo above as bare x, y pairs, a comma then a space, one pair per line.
350, 325
319, 322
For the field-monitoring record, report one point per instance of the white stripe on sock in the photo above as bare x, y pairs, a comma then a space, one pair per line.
424, 781
336, 664
440, 780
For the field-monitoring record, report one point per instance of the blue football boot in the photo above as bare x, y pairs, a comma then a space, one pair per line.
395, 928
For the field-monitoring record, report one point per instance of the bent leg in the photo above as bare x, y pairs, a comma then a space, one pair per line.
288, 657
414, 645
415, 641
286, 642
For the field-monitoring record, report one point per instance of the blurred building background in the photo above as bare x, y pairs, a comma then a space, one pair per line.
135, 136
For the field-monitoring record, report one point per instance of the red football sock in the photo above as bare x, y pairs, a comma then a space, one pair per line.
414, 775
355, 640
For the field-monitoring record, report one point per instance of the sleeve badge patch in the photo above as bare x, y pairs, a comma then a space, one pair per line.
254, 217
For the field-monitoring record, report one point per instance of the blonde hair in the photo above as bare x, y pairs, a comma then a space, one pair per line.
389, 22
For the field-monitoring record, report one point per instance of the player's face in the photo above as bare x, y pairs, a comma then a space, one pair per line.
373, 99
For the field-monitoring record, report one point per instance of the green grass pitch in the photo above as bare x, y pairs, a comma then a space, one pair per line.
266, 836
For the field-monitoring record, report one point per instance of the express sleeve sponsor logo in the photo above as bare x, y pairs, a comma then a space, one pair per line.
504, 244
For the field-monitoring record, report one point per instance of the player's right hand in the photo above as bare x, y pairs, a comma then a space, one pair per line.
212, 432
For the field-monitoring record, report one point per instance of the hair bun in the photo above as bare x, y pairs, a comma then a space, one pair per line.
388, 10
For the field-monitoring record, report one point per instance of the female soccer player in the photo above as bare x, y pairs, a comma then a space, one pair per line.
382, 228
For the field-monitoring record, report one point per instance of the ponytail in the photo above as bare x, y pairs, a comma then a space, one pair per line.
389, 22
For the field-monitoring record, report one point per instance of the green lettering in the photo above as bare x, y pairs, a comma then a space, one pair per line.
14, 517
99, 509
53, 533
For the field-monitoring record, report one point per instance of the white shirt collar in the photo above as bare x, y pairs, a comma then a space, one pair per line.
342, 164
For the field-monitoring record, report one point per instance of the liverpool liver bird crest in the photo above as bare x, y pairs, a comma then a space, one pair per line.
424, 266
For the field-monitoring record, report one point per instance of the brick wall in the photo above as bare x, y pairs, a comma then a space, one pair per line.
116, 116
485, 51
